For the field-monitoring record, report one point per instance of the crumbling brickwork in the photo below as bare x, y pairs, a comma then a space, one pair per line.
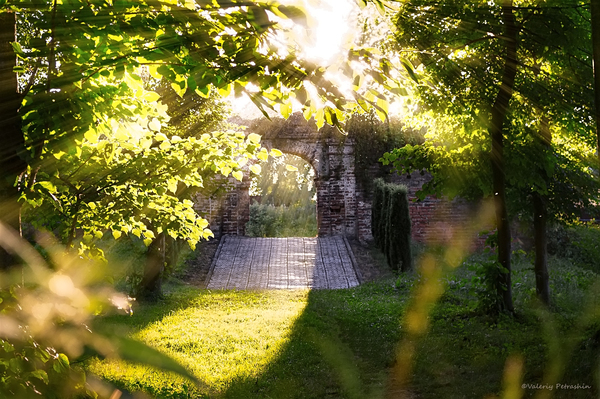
343, 203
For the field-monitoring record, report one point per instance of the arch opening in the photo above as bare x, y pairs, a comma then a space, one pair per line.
283, 199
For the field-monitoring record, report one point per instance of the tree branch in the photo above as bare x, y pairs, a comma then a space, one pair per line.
31, 79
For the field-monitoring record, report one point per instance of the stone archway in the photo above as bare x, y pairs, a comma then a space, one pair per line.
331, 155
329, 152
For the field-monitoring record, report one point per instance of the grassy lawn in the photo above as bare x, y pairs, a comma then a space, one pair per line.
251, 344
341, 343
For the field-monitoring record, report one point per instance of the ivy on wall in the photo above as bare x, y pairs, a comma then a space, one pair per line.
372, 139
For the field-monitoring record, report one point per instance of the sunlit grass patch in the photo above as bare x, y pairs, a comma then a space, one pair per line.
343, 343
260, 344
220, 336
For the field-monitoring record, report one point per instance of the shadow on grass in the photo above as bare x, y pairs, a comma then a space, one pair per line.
342, 345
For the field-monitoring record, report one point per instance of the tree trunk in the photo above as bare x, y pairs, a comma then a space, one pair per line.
12, 144
595, 10
540, 217
499, 112
172, 252
150, 287
540, 222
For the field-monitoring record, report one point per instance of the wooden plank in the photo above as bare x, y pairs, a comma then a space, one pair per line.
295, 262
320, 274
346, 262
277, 272
310, 261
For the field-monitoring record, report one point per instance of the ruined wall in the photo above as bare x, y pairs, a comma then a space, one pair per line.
433, 220
228, 210
343, 202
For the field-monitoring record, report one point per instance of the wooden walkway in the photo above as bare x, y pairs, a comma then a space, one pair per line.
282, 263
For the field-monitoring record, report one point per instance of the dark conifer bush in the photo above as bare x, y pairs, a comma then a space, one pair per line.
376, 210
391, 225
399, 230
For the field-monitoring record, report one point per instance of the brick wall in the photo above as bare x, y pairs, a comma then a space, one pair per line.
343, 203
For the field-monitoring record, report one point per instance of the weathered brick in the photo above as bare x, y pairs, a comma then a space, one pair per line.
343, 205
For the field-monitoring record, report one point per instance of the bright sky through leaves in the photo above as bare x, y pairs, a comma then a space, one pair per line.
331, 28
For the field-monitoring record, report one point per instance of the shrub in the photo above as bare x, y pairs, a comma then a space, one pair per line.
488, 286
391, 224
264, 221
376, 210
282, 221
579, 243
399, 230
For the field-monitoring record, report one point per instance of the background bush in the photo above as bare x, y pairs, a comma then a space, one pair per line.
282, 221
578, 243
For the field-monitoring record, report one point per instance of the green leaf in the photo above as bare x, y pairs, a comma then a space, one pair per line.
154, 125
135, 351
91, 136
239, 175
203, 92
151, 96
40, 374
276, 153
48, 186
17, 49
172, 185
224, 91
263, 155
286, 109
61, 363
294, 13
179, 88
255, 169
320, 118
254, 138
409, 68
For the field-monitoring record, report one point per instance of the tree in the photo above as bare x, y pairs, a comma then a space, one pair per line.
11, 163
489, 64
191, 115
74, 58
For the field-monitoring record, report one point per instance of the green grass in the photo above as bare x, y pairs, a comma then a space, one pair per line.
251, 344
341, 343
